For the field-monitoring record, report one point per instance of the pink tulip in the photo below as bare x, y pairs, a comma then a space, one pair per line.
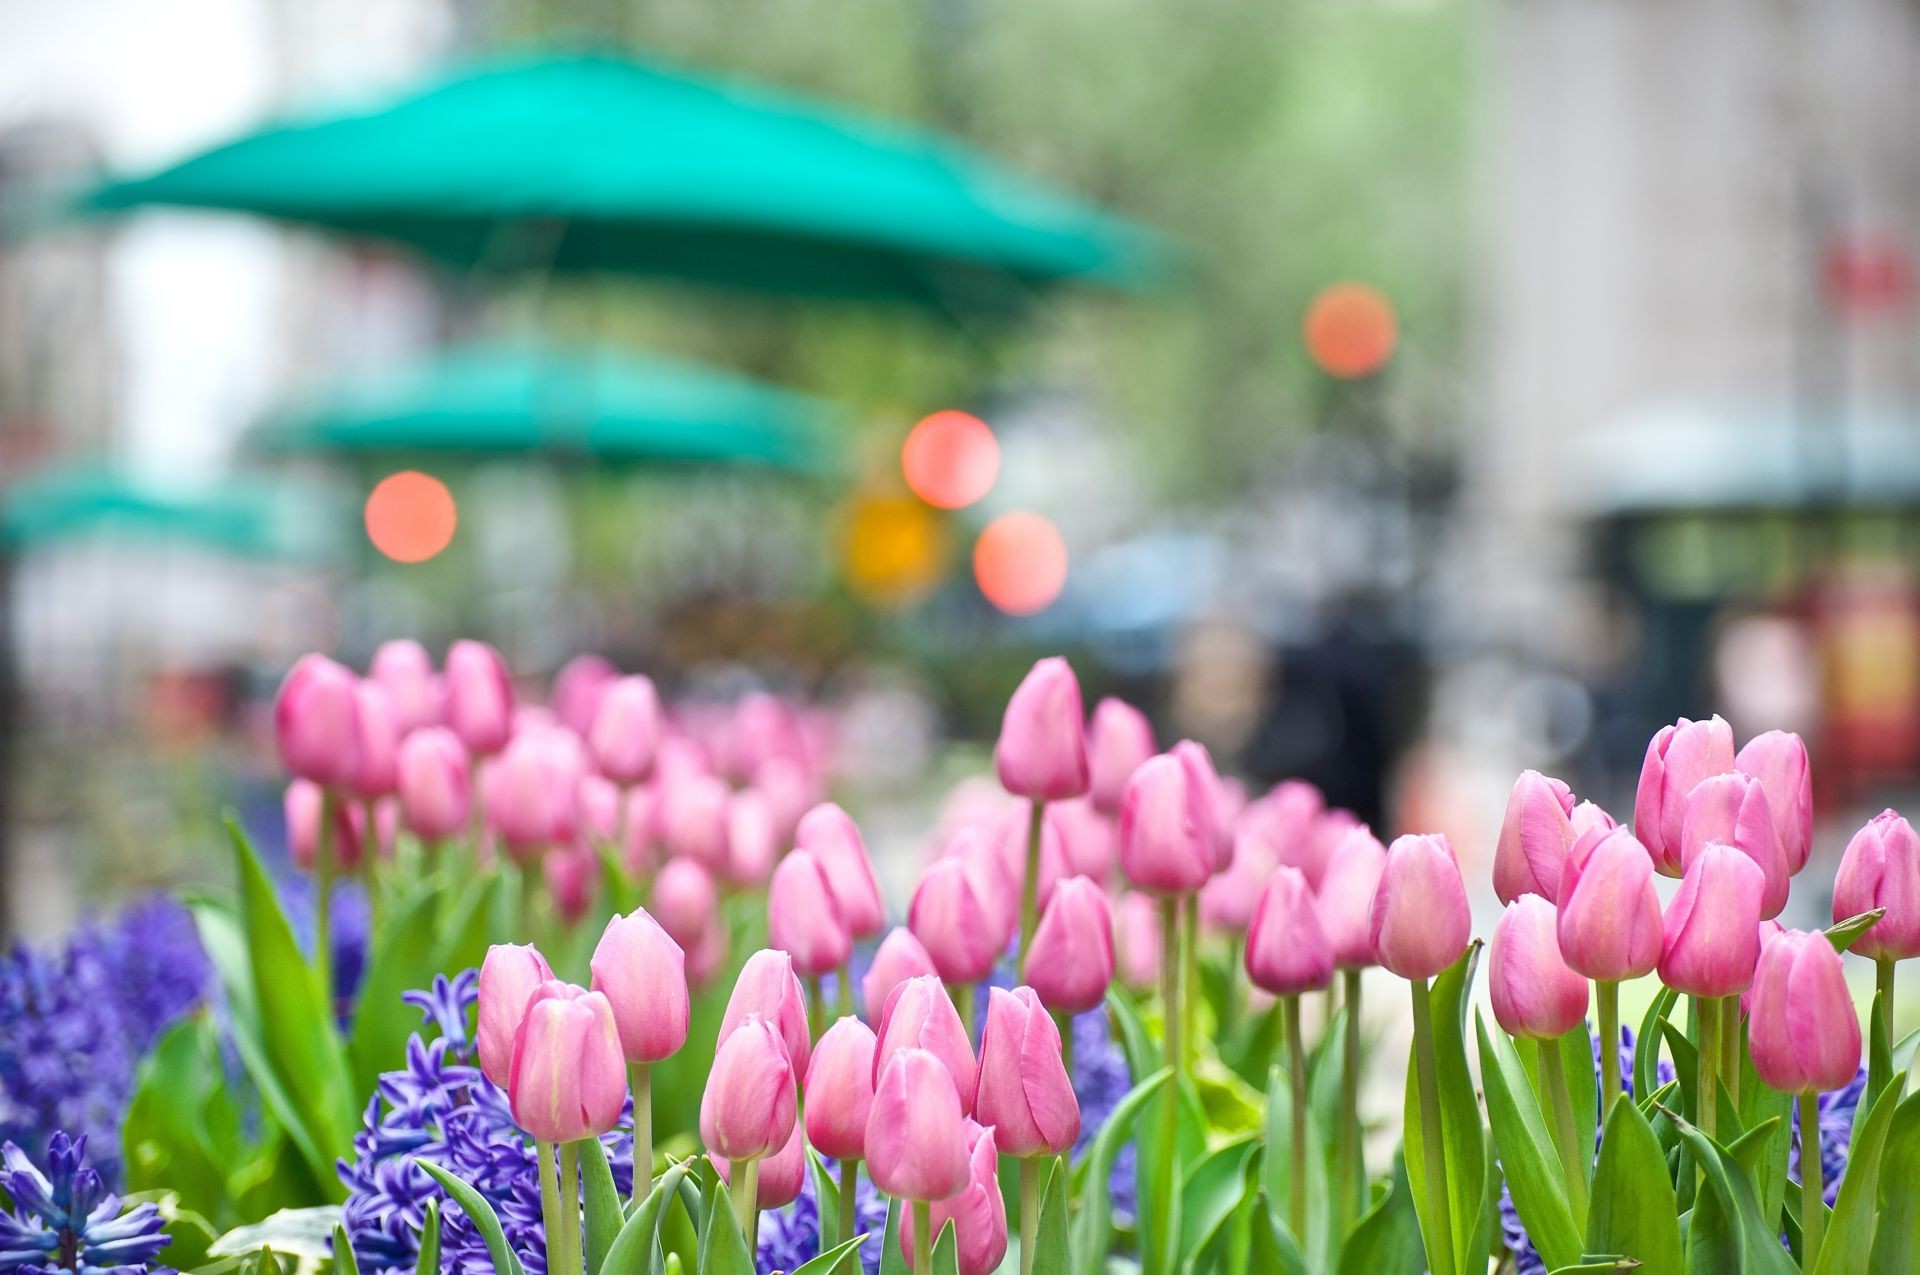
1881, 869
1804, 1035
1678, 757
1042, 751
686, 902
1227, 899
1534, 838
639, 830
978, 1213
1087, 838
1138, 940
1166, 827
578, 689
1119, 738
1732, 809
1711, 938
1609, 920
1534, 992
708, 956
572, 874
803, 918
405, 669
790, 789
1202, 775
508, 978
1023, 1091
377, 747
899, 958
479, 697
1768, 929
1588, 817
1010, 844
532, 792
1287, 821
762, 726
598, 801
643, 974
1778, 759
953, 922
767, 986
693, 818
302, 805
1287, 951
839, 1090
624, 734
1070, 964
781, 1175
568, 1080
834, 839
436, 796
920, 1015
316, 722
916, 1140
1420, 921
748, 1109
753, 847
1345, 898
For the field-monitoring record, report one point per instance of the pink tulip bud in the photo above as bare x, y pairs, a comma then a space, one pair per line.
1711, 938
1201, 773
532, 792
508, 978
762, 726
1166, 827
1070, 964
1732, 809
840, 1090
1588, 817
1227, 900
708, 957
1609, 920
1778, 759
642, 972
978, 1213
1287, 951
1088, 840
436, 796
693, 818
1288, 822
1042, 752
405, 669
598, 800
316, 722
578, 689
954, 923
899, 958
1138, 940
767, 986
625, 732
1768, 929
1420, 921
803, 918
568, 1080
1534, 838
834, 839
1678, 757
1023, 1091
1345, 898
1881, 869
377, 734
1805, 1035
686, 902
479, 697
1534, 993
748, 1109
983, 851
916, 1140
753, 847
302, 805
781, 1174
1118, 739
920, 1015
572, 874
791, 789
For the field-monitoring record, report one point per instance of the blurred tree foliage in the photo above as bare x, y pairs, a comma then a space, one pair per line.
1282, 146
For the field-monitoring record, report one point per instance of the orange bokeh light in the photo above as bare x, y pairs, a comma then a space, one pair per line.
411, 516
1020, 562
1350, 330
951, 459
892, 548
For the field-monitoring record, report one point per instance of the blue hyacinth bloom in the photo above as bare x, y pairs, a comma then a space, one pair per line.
66, 1220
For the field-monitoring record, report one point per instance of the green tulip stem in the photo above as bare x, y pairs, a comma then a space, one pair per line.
1297, 1078
549, 1202
640, 1080
1064, 1021
568, 1245
843, 990
1812, 1195
1730, 1047
323, 899
1433, 1147
1707, 1097
922, 1238
816, 1007
963, 1002
1606, 992
746, 1200
1170, 980
370, 863
849, 1183
1029, 1212
1030, 886
1574, 1160
1883, 991
1350, 1169
1165, 1169
1189, 977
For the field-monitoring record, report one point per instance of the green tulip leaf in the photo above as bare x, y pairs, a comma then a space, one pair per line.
1633, 1209
1848, 1243
946, 1251
1527, 1153
1646, 1054
633, 1246
841, 1257
1093, 1234
344, 1262
481, 1214
1727, 1232
892, 1260
1386, 1240
723, 1249
1317, 1245
604, 1217
1842, 934
1896, 1240
1210, 1194
1469, 1184
1052, 1251
428, 1261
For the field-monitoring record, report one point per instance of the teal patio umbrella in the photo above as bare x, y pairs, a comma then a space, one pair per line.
598, 163
238, 516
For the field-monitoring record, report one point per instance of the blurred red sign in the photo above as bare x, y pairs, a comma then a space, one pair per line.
1868, 275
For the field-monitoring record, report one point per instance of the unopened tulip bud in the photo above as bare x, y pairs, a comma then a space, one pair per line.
302, 805
693, 818
899, 958
436, 788
1227, 900
316, 722
748, 1109
781, 1174
1732, 809
983, 853
762, 726
532, 792
1119, 738
752, 845
916, 1141
568, 1081
834, 839
1881, 869
1089, 842
578, 689
1534, 838
1768, 929
376, 773
708, 957
1588, 817
1287, 951
791, 789
1609, 922
405, 669
1345, 897
625, 733
1166, 827
978, 1213
953, 923
1023, 1091
642, 972
1711, 938
803, 919
839, 1090
1042, 751
479, 697
1534, 992
920, 1015
598, 800
1138, 940
767, 986
508, 978
1805, 1034
1678, 757
1070, 964
1420, 921
572, 873
1778, 759
1202, 774
686, 901
1290, 822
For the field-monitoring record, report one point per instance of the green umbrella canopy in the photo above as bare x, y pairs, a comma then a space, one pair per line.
510, 399
597, 163
242, 517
